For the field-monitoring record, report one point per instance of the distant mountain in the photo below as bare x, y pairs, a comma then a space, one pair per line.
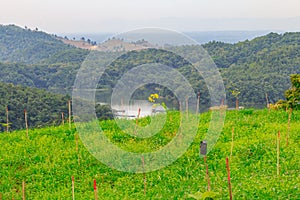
225, 36
28, 46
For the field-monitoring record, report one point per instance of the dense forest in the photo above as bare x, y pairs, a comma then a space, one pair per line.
254, 68
43, 108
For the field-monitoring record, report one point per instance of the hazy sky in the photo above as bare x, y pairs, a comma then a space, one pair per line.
66, 16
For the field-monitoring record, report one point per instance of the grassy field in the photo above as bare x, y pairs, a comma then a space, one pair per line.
48, 158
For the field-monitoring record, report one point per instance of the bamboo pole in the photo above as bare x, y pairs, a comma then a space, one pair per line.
69, 105
23, 191
26, 122
278, 153
228, 178
7, 122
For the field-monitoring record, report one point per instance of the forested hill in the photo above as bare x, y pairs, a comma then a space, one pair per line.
43, 108
28, 46
262, 65
272, 49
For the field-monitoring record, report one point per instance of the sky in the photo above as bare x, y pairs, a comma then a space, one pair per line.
94, 16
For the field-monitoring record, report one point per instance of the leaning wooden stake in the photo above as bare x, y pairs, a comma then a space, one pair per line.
7, 122
278, 153
95, 190
145, 179
23, 191
0, 196
289, 127
73, 188
228, 178
69, 103
26, 122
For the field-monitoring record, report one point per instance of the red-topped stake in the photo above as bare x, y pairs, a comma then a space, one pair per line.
95, 190
228, 177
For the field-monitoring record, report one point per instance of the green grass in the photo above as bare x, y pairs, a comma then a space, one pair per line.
47, 160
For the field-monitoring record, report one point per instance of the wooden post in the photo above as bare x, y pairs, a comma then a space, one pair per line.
1, 196
26, 122
73, 188
95, 190
69, 105
267, 99
23, 191
237, 103
228, 178
198, 102
278, 153
145, 179
207, 174
62, 118
7, 122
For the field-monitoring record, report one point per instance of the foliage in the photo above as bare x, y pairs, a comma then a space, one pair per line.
43, 108
27, 46
292, 95
254, 67
47, 160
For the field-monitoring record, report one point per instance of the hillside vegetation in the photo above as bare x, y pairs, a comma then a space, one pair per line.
262, 65
48, 158
43, 108
27, 46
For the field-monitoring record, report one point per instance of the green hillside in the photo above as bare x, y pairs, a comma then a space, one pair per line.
20, 45
48, 158
43, 108
262, 65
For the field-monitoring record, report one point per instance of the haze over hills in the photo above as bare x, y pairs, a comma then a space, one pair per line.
201, 37
255, 67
